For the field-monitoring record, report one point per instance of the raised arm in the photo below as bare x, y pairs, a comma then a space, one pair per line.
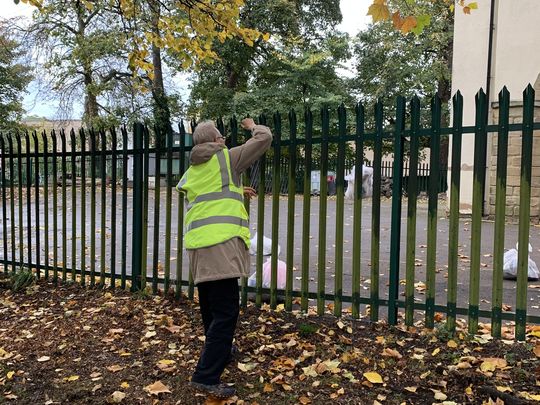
242, 157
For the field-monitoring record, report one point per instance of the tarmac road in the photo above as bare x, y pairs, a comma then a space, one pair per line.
421, 229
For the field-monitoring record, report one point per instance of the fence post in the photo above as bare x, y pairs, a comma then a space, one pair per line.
479, 180
275, 209
433, 196
395, 236
137, 207
4, 205
376, 212
524, 211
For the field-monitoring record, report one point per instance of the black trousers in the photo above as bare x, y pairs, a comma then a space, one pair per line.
219, 309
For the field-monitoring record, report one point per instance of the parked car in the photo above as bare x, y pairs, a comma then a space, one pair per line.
316, 182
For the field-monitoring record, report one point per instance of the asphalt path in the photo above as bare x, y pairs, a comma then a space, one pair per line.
487, 241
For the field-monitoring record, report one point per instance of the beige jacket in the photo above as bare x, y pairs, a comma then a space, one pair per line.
229, 259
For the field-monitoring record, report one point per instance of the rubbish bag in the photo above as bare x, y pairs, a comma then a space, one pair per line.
267, 275
267, 246
510, 265
367, 183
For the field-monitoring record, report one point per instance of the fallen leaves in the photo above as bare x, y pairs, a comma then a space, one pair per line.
373, 377
115, 368
157, 388
43, 359
391, 353
117, 397
279, 355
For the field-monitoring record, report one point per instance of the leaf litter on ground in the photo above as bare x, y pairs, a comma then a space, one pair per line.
114, 348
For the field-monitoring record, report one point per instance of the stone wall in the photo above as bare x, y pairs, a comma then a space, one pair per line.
514, 162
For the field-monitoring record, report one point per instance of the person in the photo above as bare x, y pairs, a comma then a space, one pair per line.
217, 239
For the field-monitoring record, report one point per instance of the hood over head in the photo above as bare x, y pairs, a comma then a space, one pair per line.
203, 152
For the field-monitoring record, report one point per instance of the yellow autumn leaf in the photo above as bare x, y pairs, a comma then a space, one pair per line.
166, 362
487, 366
435, 352
473, 5
452, 344
71, 378
125, 384
266, 36
526, 395
378, 11
411, 389
503, 388
373, 377
10, 375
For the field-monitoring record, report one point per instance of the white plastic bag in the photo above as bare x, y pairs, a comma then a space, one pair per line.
510, 265
367, 183
267, 275
267, 246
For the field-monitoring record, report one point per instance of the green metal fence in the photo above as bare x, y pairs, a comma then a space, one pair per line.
85, 196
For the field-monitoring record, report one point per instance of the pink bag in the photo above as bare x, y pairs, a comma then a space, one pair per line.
267, 275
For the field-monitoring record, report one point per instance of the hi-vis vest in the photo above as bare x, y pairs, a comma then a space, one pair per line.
215, 205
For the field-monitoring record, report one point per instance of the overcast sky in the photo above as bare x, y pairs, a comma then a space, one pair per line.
354, 20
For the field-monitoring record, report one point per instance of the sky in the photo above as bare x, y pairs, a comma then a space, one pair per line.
354, 19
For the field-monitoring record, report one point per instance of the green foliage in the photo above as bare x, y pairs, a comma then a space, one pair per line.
15, 76
307, 329
22, 279
294, 70
389, 63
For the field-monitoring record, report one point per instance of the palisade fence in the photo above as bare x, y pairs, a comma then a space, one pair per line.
387, 170
89, 220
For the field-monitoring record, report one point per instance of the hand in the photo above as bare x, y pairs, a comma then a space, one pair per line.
247, 123
249, 192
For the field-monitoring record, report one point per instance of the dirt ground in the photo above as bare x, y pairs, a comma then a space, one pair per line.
70, 345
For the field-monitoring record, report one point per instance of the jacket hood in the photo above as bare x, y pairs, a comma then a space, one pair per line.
203, 152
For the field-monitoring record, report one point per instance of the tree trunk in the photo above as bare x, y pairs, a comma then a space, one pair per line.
91, 110
162, 113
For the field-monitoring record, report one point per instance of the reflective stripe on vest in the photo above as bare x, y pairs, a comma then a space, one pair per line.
215, 220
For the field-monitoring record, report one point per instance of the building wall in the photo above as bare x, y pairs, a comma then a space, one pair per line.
515, 63
514, 162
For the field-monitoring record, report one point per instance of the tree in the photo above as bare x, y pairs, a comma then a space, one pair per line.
295, 69
183, 27
14, 78
84, 55
389, 64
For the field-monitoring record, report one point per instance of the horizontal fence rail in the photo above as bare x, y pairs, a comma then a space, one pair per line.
100, 208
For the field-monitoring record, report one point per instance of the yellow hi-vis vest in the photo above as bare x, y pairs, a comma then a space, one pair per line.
215, 205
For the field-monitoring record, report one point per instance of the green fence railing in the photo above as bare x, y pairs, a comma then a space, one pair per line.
81, 206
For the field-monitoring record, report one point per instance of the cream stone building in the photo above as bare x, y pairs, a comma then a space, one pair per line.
497, 45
